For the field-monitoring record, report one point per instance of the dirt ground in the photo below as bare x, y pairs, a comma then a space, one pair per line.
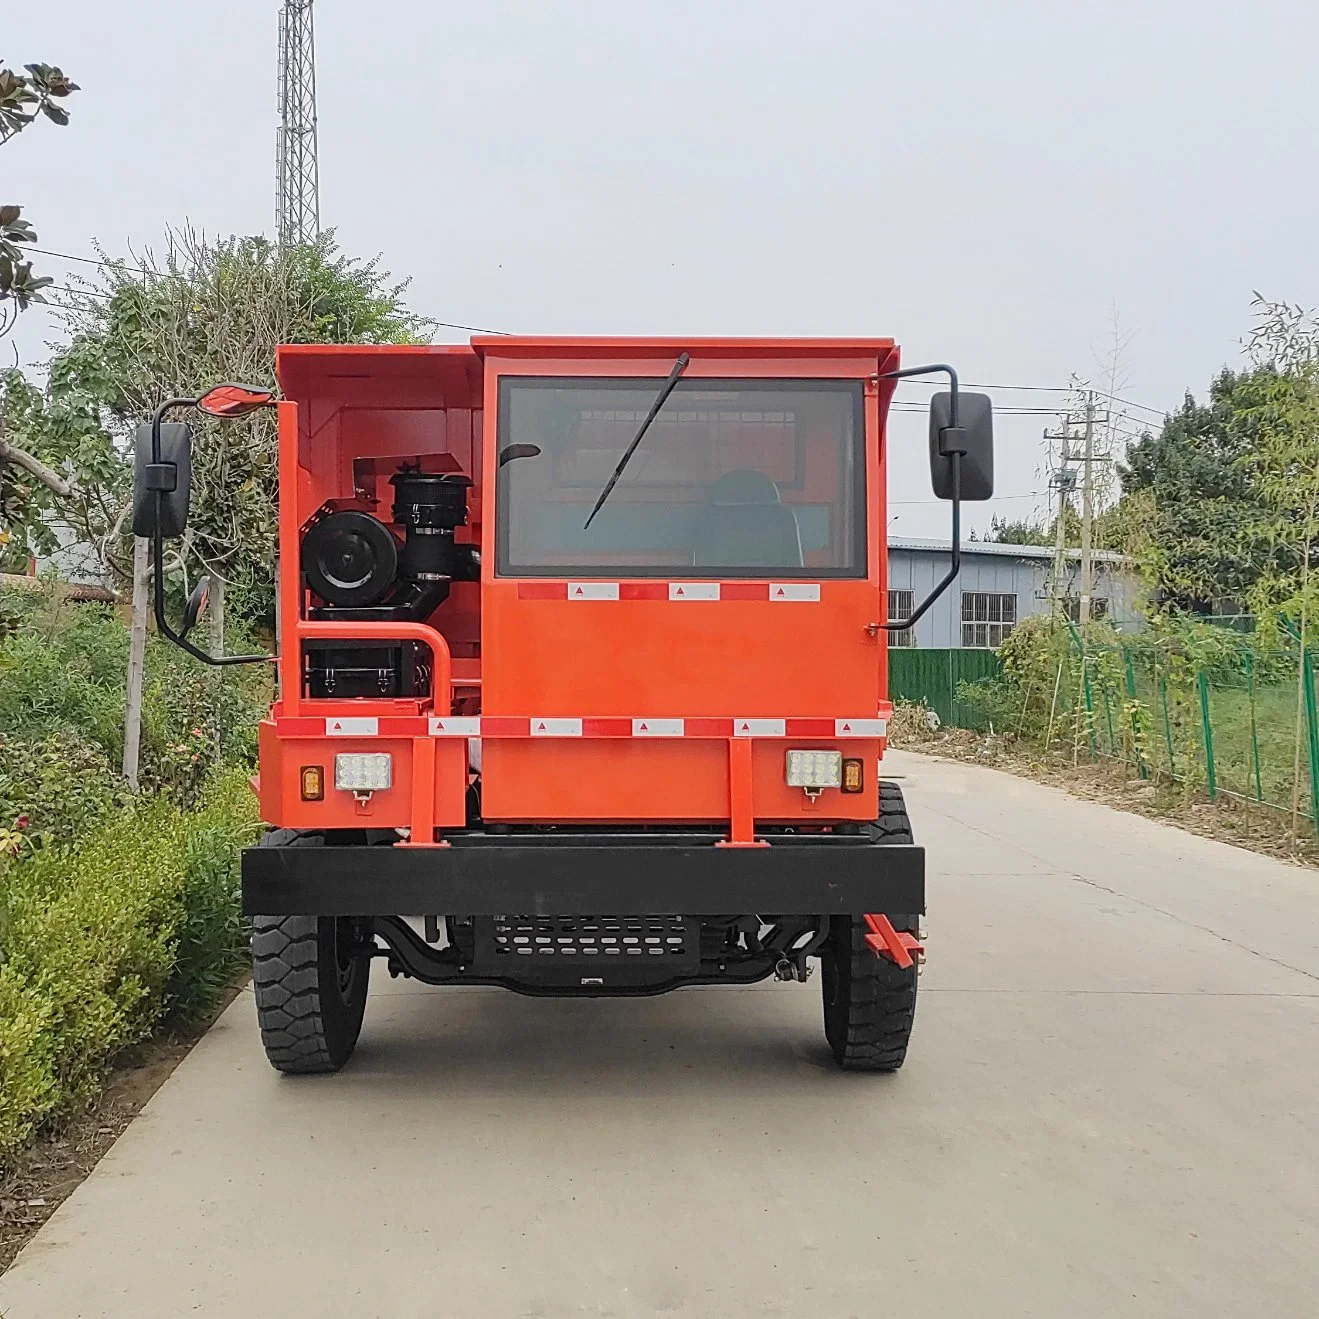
49, 1172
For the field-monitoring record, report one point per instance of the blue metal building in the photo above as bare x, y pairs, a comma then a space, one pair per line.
999, 585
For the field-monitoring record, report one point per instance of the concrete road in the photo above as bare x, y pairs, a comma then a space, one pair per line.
1111, 1108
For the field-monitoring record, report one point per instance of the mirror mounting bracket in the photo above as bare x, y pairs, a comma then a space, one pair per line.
952, 445
157, 473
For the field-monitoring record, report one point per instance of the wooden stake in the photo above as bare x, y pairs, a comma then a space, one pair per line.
137, 649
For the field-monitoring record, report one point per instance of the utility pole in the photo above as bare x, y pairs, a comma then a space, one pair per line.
1087, 509
297, 175
1063, 480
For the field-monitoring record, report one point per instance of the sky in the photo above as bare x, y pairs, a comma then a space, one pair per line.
991, 185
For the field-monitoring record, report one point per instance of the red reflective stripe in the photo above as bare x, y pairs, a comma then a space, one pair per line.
299, 727
808, 728
406, 726
606, 727
647, 590
505, 725
744, 590
709, 728
643, 590
591, 726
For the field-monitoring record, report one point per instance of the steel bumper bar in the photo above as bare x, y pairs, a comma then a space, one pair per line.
590, 873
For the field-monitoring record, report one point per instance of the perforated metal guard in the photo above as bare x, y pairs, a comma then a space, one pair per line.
612, 947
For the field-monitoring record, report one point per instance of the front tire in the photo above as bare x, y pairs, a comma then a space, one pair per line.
310, 985
869, 1001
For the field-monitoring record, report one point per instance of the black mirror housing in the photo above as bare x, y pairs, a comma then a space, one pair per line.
974, 438
172, 477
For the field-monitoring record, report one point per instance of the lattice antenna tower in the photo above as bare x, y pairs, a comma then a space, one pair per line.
297, 179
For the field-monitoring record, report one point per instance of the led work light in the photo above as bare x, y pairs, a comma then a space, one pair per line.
360, 772
815, 770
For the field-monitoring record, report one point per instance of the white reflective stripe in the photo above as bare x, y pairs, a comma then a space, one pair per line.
455, 726
592, 590
693, 590
759, 728
794, 591
354, 727
556, 727
860, 727
657, 727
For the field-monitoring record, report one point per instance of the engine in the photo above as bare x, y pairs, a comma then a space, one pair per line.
360, 570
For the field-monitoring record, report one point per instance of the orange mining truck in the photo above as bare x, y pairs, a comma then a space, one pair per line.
582, 673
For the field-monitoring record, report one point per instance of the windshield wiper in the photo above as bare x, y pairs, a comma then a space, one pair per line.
678, 368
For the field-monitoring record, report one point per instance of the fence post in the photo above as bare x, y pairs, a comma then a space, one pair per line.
1254, 730
1312, 728
1135, 728
1167, 722
1089, 704
1108, 716
1203, 684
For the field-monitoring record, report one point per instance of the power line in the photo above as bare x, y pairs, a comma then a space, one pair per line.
898, 405
89, 293
90, 261
475, 329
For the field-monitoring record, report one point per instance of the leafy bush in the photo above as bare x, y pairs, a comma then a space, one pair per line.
63, 667
99, 941
212, 933
55, 787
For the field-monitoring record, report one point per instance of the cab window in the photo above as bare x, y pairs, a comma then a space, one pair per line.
734, 478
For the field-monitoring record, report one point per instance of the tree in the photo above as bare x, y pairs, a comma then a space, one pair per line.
1020, 531
24, 98
1282, 464
1194, 475
202, 312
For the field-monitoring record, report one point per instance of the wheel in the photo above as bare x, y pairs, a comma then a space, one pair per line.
310, 991
869, 1003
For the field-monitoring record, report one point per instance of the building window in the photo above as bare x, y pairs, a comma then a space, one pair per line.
899, 607
987, 617
1098, 608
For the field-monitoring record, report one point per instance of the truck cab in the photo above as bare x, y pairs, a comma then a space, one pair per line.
583, 678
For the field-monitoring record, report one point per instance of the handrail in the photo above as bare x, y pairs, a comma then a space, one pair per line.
324, 630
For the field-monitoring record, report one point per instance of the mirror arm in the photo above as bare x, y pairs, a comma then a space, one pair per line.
954, 420
158, 556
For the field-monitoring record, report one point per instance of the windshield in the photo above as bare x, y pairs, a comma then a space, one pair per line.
734, 478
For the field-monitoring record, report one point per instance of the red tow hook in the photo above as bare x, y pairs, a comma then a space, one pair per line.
897, 945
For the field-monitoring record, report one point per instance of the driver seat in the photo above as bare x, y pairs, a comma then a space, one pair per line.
746, 525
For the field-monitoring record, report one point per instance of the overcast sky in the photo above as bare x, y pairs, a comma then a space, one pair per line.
984, 182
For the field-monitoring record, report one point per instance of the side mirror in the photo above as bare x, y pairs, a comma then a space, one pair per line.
973, 437
228, 401
172, 476
196, 605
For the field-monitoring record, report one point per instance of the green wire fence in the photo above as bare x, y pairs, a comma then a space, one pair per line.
1225, 716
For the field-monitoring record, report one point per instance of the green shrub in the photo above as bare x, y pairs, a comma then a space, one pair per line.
99, 940
63, 668
212, 934
54, 788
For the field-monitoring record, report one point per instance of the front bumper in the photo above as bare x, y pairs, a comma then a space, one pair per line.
577, 873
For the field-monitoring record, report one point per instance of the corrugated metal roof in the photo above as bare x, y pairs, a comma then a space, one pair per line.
994, 548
